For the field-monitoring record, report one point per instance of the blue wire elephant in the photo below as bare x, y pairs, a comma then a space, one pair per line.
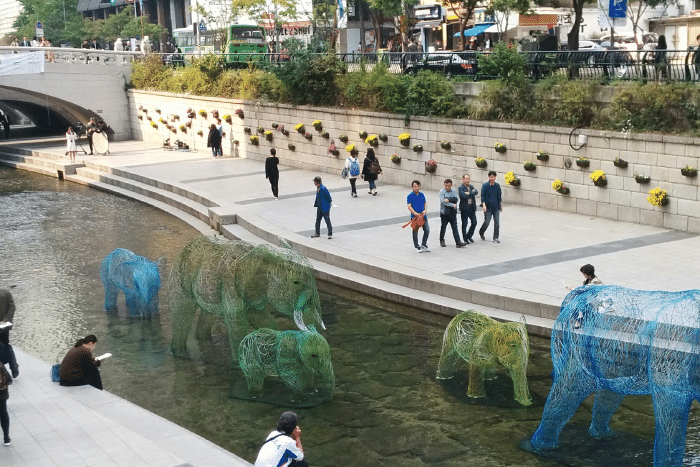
616, 341
136, 276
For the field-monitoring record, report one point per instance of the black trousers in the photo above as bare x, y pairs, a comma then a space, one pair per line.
93, 379
4, 418
353, 189
449, 218
274, 184
89, 138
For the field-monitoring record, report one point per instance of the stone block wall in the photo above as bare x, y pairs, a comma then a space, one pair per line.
659, 156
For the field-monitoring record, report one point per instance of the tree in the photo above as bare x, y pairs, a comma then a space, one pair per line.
572, 36
463, 10
275, 11
505, 8
219, 20
634, 12
61, 20
111, 28
399, 11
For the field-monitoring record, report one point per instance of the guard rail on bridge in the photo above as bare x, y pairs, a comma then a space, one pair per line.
619, 64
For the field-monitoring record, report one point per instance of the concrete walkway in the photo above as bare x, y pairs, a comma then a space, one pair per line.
54, 426
369, 251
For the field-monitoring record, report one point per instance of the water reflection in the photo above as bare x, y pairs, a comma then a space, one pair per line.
388, 409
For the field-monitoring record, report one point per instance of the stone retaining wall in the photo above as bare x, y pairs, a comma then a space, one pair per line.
659, 156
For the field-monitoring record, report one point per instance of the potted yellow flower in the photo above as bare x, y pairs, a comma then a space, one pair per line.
372, 140
511, 179
405, 139
318, 126
542, 155
559, 187
598, 178
255, 140
299, 127
501, 148
657, 197
480, 162
583, 162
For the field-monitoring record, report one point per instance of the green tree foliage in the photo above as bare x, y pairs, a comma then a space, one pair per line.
378, 90
311, 78
150, 74
111, 28
501, 9
504, 62
58, 26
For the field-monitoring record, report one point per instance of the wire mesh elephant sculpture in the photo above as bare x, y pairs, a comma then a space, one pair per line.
136, 276
616, 341
237, 281
483, 343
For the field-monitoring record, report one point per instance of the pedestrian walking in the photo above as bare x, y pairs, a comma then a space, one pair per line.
220, 127
7, 357
467, 207
214, 140
323, 208
272, 173
352, 164
492, 205
7, 314
448, 213
371, 171
418, 207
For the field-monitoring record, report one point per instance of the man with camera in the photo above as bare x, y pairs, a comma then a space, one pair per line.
92, 128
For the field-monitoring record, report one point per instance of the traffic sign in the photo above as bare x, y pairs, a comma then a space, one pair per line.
202, 26
39, 25
617, 9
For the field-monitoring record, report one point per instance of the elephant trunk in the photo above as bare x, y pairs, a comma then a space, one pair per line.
520, 389
326, 382
307, 311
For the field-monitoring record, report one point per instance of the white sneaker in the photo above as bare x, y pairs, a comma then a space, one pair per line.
419, 250
425, 248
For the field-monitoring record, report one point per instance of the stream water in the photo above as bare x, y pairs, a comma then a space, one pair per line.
388, 409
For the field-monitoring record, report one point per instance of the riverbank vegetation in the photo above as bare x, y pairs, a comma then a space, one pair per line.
324, 80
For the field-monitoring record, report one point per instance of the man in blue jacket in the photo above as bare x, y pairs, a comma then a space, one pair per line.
323, 208
491, 202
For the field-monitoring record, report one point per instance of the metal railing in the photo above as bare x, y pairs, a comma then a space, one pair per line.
619, 64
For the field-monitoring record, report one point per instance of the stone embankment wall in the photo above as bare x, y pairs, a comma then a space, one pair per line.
661, 157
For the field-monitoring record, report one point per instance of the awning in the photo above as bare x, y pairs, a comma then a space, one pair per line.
494, 29
428, 24
476, 30
539, 20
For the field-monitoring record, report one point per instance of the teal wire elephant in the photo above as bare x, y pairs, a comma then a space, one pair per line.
301, 359
483, 342
237, 281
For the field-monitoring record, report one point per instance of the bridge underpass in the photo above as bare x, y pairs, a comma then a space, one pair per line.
80, 84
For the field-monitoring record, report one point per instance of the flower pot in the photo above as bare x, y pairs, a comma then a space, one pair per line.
689, 172
343, 138
543, 157
530, 167
430, 168
564, 190
582, 163
620, 163
417, 148
641, 180
291, 146
445, 145
396, 160
405, 143
601, 182
515, 182
664, 202
501, 149
482, 164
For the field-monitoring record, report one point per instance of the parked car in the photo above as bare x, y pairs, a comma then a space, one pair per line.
456, 63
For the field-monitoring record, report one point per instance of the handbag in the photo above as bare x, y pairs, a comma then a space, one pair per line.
344, 173
5, 378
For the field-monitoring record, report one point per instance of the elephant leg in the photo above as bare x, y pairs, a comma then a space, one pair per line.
182, 310
566, 395
202, 331
132, 304
476, 381
604, 407
152, 308
448, 362
671, 413
237, 329
111, 293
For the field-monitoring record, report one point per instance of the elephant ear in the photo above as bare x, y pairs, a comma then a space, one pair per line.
251, 277
288, 345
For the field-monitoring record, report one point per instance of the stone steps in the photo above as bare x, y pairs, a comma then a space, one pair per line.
106, 180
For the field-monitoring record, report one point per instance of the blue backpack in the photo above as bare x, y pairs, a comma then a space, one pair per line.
354, 168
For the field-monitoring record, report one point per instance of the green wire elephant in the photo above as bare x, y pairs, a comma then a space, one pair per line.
237, 281
301, 359
483, 342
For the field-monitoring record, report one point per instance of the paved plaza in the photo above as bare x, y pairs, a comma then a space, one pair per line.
539, 251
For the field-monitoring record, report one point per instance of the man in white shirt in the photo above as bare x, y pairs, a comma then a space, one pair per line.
282, 446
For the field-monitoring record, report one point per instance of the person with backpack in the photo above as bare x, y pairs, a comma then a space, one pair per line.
352, 164
7, 356
283, 448
371, 171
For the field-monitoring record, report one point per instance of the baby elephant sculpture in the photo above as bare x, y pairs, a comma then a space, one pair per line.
136, 276
483, 342
302, 360
237, 281
616, 341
